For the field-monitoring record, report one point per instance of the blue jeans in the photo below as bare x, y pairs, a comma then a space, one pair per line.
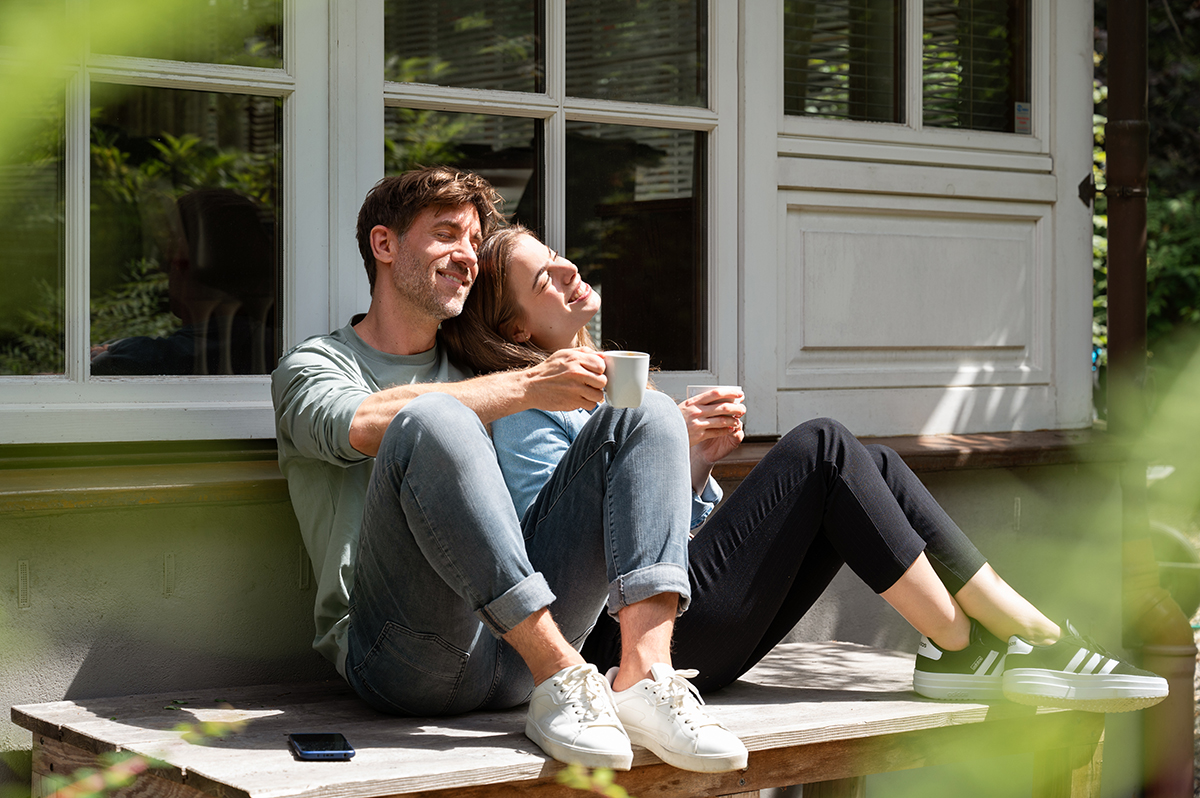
444, 568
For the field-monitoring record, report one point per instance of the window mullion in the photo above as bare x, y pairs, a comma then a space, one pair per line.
556, 125
77, 212
914, 24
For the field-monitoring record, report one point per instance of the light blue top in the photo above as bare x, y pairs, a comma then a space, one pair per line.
530, 445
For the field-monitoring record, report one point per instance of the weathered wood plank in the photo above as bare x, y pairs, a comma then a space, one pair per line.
54, 759
808, 713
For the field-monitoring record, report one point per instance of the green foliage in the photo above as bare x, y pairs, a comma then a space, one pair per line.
1173, 263
1173, 217
37, 348
116, 770
421, 137
601, 781
133, 307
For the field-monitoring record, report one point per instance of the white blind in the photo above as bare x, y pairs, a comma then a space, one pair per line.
974, 63
842, 59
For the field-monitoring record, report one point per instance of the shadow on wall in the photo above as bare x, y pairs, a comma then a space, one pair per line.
119, 663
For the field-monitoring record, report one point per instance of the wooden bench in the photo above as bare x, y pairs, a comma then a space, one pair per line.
820, 714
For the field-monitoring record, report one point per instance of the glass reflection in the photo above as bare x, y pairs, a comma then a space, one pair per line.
841, 59
636, 221
507, 150
465, 43
32, 237
975, 65
649, 51
184, 257
245, 32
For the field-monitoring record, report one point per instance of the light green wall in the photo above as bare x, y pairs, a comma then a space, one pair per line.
100, 620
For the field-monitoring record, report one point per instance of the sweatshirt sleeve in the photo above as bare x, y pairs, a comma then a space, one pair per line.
316, 393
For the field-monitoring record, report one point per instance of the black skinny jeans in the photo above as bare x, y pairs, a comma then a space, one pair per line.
817, 500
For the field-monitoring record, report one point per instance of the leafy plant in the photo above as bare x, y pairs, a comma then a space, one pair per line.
601, 781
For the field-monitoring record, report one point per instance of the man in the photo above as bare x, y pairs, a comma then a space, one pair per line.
433, 597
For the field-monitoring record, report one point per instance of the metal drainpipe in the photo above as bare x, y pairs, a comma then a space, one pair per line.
1152, 619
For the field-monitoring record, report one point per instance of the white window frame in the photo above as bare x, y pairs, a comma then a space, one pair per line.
75, 407
911, 142
555, 109
334, 95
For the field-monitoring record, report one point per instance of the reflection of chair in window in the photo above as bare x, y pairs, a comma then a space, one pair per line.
230, 265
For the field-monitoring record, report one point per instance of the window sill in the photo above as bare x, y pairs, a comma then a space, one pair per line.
89, 488
59, 489
927, 453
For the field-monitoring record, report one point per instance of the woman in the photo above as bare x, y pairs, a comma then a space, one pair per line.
817, 500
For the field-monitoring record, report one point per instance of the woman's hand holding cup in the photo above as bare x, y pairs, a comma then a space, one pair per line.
713, 415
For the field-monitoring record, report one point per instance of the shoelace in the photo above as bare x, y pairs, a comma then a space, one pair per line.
1089, 643
588, 691
683, 697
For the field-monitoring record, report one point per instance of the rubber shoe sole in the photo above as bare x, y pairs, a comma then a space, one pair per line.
1087, 692
694, 762
573, 755
958, 687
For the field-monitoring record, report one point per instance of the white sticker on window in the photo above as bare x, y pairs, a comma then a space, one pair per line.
1021, 114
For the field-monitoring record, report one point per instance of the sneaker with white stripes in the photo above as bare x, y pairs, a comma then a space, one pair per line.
972, 674
1077, 673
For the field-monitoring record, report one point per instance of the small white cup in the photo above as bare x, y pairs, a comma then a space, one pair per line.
627, 374
696, 390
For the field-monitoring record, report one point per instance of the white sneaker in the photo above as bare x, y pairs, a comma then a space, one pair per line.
572, 718
663, 714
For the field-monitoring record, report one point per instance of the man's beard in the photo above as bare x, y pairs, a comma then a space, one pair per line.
416, 285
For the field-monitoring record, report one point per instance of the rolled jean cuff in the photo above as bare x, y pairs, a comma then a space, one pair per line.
639, 585
516, 604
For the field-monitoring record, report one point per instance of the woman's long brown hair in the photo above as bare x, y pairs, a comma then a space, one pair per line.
475, 337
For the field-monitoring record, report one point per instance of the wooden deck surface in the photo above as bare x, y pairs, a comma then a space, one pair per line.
804, 694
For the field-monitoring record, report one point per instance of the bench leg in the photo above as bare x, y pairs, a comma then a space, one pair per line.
1068, 772
852, 787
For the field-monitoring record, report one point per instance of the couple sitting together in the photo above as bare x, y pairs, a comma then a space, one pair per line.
575, 555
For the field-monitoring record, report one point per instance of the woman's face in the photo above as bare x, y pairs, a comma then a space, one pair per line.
554, 303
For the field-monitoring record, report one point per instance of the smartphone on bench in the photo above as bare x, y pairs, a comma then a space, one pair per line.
319, 746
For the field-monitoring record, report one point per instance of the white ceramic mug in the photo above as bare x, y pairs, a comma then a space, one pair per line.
627, 374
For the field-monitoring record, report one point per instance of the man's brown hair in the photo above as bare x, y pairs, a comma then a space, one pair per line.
397, 200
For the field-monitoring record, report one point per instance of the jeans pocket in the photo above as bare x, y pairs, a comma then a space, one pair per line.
410, 673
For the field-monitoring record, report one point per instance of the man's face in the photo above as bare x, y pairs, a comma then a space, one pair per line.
435, 261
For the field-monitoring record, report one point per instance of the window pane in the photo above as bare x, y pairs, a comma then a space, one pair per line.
185, 260
246, 32
975, 64
507, 150
465, 43
842, 59
636, 213
32, 238
649, 51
